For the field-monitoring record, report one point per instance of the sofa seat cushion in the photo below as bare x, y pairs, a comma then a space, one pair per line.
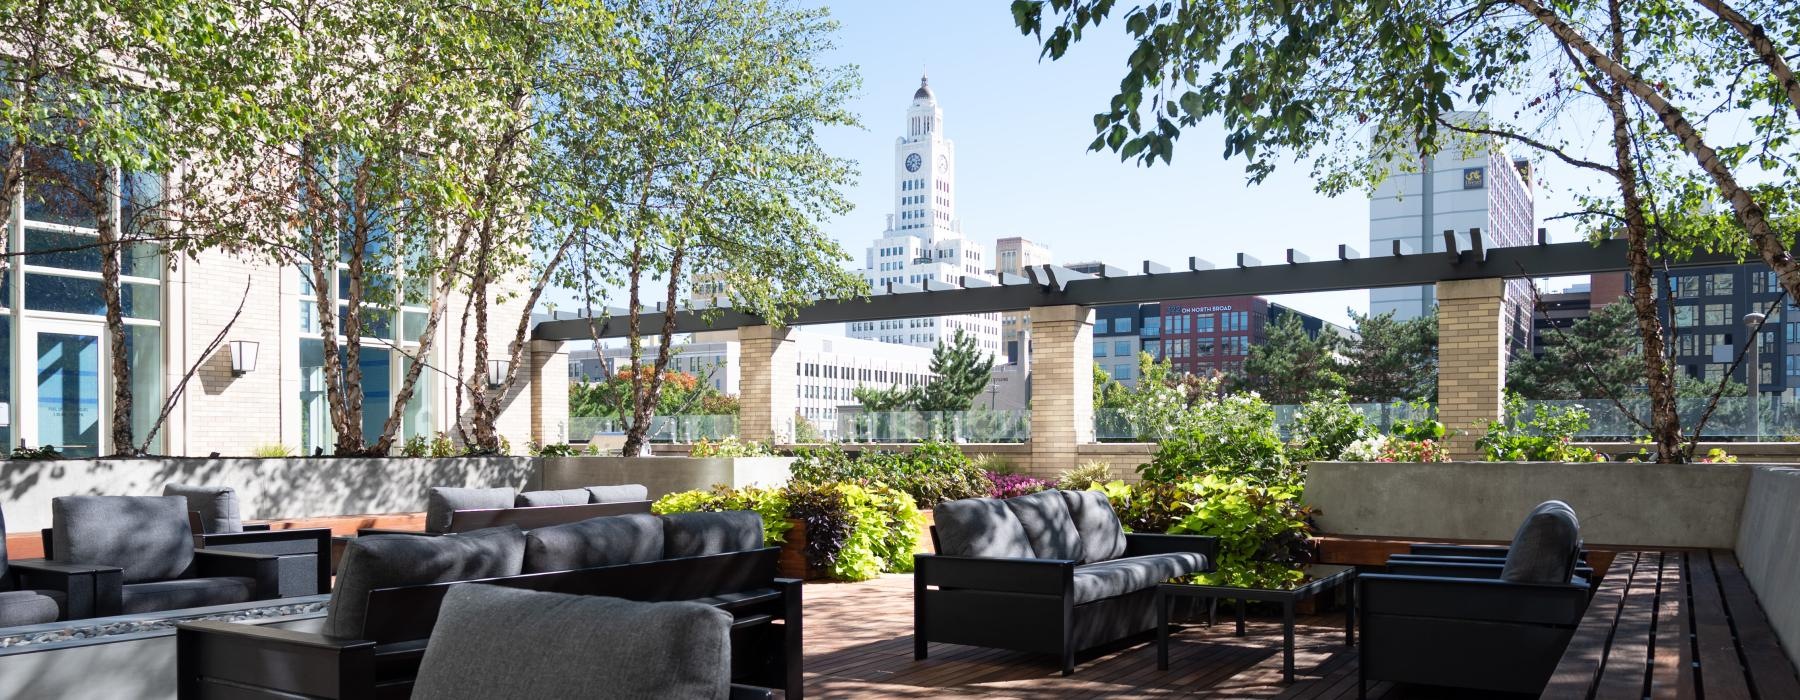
563, 497
607, 541
146, 536
1045, 519
30, 607
618, 493
980, 527
387, 561
217, 506
441, 501
1102, 536
495, 642
176, 594
1117, 577
700, 534
1545, 547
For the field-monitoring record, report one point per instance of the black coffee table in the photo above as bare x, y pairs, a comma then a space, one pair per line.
1319, 579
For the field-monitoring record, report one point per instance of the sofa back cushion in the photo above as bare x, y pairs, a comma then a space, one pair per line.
564, 497
1047, 525
615, 539
217, 506
4, 579
387, 561
1545, 547
1102, 536
620, 492
146, 536
699, 534
980, 527
441, 501
497, 642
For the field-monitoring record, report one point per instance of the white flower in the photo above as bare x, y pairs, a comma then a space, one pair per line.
1365, 450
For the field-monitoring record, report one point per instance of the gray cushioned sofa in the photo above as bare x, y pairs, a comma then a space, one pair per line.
149, 541
1051, 572
34, 591
452, 509
389, 589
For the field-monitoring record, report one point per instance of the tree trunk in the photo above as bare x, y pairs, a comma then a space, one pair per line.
319, 202
481, 409
1760, 43
106, 221
1749, 213
640, 399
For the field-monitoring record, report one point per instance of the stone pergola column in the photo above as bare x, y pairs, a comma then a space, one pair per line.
549, 392
1062, 386
767, 383
1472, 338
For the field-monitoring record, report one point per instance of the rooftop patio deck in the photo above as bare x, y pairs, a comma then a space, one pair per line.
859, 644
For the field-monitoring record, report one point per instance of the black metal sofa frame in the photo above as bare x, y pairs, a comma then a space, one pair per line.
1029, 604
218, 659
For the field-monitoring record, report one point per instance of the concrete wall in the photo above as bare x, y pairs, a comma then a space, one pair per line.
666, 475
139, 666
267, 488
1768, 543
1639, 505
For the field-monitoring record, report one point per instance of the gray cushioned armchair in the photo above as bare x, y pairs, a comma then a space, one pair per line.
35, 591
148, 539
303, 554
1477, 625
1051, 572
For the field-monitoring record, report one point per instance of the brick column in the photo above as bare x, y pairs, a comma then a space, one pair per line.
1471, 359
767, 384
1062, 386
549, 392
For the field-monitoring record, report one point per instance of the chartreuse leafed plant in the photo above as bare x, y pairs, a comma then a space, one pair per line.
853, 531
1263, 530
731, 446
932, 473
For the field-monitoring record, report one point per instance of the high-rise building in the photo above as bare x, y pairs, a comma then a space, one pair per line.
923, 243
1011, 257
1469, 184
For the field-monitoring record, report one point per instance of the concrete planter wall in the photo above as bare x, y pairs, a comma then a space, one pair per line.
1768, 547
267, 488
666, 475
1620, 504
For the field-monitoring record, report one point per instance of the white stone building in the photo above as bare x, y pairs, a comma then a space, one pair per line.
924, 243
1472, 185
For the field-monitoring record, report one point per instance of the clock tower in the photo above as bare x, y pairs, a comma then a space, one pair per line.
924, 169
923, 246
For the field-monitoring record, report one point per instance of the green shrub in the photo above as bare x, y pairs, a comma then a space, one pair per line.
1425, 427
1264, 533
853, 532
555, 449
932, 473
272, 450
1081, 478
1545, 437
731, 446
771, 504
1324, 427
1229, 437
439, 445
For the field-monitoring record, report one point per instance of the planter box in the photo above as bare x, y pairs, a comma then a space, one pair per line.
666, 475
793, 562
1620, 504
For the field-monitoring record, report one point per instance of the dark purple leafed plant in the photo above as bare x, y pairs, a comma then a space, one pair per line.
1009, 485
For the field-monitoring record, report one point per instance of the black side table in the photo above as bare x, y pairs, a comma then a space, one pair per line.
1319, 579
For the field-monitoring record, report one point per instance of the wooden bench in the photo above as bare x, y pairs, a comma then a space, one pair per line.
1674, 624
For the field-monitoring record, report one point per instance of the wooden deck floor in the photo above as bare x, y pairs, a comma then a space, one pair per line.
859, 644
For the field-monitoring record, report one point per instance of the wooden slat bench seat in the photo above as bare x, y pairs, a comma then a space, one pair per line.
1675, 624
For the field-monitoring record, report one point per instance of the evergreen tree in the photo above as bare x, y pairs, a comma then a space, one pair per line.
961, 371
1291, 365
1595, 357
1392, 360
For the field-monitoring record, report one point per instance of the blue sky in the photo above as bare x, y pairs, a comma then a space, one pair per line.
1022, 128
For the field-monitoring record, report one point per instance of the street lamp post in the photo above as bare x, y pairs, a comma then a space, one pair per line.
1753, 322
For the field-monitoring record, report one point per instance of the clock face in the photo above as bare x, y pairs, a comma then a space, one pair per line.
943, 164
913, 161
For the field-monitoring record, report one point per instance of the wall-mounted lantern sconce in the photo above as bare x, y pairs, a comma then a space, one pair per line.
497, 370
243, 357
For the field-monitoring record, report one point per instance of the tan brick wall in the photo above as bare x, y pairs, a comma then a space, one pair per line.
549, 391
1062, 387
767, 383
1471, 360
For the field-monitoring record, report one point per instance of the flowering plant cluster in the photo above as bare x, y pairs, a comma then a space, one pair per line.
1427, 450
1009, 485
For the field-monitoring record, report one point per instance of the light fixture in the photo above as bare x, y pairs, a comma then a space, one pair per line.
497, 370
243, 357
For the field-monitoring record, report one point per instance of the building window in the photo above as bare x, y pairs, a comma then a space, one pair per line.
1121, 348
1686, 316
1717, 314
383, 369
1122, 372
1719, 284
